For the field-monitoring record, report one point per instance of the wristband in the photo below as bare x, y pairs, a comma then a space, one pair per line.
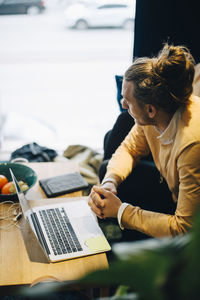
120, 213
109, 180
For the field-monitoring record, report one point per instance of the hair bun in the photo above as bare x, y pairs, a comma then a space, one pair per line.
164, 81
173, 62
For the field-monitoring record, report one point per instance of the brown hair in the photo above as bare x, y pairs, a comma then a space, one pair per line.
164, 81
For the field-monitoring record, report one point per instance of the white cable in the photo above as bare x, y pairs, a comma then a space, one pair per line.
10, 211
12, 215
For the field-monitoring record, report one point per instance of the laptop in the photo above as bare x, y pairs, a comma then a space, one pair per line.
64, 230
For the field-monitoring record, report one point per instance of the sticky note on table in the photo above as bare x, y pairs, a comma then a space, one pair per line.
98, 243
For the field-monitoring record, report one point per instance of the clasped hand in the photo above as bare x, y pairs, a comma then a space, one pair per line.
104, 203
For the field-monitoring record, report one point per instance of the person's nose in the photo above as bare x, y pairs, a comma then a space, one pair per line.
124, 103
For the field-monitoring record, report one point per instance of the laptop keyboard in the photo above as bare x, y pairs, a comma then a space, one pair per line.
59, 230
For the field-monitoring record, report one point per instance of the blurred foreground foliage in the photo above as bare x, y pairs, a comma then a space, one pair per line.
155, 269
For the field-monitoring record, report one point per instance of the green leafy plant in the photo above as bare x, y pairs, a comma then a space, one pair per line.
155, 269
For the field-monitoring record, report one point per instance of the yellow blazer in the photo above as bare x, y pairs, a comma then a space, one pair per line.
176, 153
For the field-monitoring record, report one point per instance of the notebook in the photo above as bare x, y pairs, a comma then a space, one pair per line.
63, 184
64, 230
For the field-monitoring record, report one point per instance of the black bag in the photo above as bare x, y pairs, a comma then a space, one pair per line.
34, 153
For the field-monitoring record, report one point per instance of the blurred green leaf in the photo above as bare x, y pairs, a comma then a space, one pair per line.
121, 290
145, 274
189, 277
159, 269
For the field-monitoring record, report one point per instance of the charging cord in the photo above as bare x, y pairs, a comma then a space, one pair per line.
12, 215
18, 217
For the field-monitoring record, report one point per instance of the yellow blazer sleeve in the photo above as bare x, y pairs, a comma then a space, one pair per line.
158, 224
128, 155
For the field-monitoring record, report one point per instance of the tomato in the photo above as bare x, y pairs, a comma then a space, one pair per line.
3, 180
8, 188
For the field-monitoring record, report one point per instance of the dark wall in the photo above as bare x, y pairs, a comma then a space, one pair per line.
172, 21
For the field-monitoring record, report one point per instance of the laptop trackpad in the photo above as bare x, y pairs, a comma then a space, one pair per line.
87, 226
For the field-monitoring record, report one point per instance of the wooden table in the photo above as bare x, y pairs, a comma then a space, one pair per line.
15, 265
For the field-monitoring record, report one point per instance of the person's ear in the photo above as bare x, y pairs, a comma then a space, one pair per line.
151, 110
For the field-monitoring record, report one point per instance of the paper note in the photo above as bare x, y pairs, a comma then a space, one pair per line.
98, 243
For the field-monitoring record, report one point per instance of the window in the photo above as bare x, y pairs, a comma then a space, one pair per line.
57, 82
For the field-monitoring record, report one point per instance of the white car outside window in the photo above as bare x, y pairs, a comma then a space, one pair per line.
101, 14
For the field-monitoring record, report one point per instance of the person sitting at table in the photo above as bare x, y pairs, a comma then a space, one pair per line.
157, 92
